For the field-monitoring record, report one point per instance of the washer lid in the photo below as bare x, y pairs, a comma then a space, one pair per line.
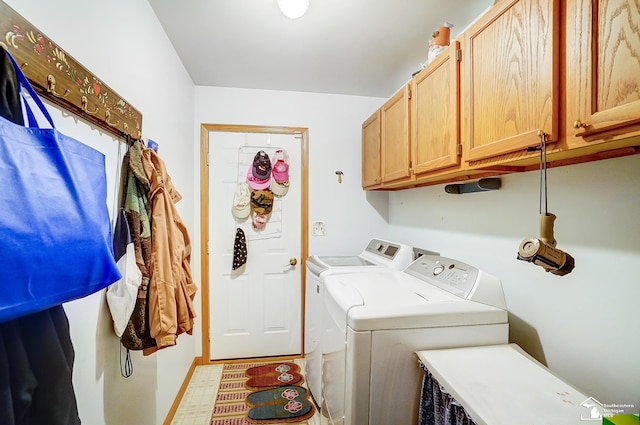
377, 254
320, 264
345, 261
502, 384
396, 300
427, 315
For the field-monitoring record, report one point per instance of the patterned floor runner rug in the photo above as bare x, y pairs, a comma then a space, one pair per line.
262, 393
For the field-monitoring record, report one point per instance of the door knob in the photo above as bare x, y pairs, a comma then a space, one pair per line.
291, 265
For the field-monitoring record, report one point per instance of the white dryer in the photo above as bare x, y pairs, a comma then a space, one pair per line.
378, 255
378, 320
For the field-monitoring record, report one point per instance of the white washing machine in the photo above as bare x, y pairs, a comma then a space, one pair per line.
378, 255
378, 320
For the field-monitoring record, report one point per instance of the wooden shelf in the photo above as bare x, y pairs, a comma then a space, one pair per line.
60, 79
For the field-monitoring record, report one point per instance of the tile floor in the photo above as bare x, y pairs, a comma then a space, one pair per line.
197, 403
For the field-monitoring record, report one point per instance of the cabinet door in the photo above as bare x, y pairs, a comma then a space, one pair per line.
603, 74
395, 137
371, 151
511, 66
435, 114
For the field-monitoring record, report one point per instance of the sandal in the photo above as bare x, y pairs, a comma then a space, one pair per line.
279, 405
273, 368
276, 379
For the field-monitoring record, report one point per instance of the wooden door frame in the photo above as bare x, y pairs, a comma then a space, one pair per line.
205, 129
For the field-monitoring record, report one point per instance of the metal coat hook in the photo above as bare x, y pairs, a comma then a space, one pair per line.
84, 102
107, 119
339, 174
51, 87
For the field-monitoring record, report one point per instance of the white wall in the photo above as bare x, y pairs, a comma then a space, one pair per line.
583, 325
122, 43
334, 144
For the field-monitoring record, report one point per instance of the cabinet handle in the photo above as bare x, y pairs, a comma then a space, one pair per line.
579, 124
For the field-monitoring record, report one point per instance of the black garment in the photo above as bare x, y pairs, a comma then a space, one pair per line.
36, 364
10, 106
36, 353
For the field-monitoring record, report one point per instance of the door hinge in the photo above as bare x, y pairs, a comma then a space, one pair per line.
409, 94
459, 55
459, 149
297, 135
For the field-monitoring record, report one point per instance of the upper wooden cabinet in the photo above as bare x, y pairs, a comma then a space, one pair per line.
371, 176
435, 117
394, 117
602, 70
511, 78
568, 69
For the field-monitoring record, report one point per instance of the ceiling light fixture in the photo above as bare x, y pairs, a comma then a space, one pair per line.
293, 9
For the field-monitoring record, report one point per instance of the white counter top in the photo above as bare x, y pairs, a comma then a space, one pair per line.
503, 385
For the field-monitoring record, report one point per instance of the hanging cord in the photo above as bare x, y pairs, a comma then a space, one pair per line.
126, 369
543, 173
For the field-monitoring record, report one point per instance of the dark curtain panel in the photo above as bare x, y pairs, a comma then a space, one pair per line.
437, 406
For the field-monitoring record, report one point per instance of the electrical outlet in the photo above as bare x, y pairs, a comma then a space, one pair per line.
318, 228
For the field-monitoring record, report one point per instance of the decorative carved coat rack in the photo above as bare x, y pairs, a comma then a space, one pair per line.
59, 78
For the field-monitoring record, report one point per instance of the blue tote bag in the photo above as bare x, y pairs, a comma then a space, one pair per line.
55, 233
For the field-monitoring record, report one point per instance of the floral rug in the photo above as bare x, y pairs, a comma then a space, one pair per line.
262, 393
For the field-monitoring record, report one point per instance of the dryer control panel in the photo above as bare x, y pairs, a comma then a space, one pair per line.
394, 255
383, 248
458, 278
451, 275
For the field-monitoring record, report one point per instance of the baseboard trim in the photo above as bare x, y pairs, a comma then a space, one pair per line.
201, 361
183, 389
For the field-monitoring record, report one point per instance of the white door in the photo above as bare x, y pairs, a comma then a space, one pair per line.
256, 310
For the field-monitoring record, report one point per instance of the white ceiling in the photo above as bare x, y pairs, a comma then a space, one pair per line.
354, 47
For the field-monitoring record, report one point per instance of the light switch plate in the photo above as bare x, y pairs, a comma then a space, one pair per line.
319, 228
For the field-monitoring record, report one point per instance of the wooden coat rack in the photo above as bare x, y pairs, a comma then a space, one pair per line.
60, 79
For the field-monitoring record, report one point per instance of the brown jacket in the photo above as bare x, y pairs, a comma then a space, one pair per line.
171, 288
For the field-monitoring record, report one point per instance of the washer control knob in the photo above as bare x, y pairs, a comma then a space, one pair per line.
438, 269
